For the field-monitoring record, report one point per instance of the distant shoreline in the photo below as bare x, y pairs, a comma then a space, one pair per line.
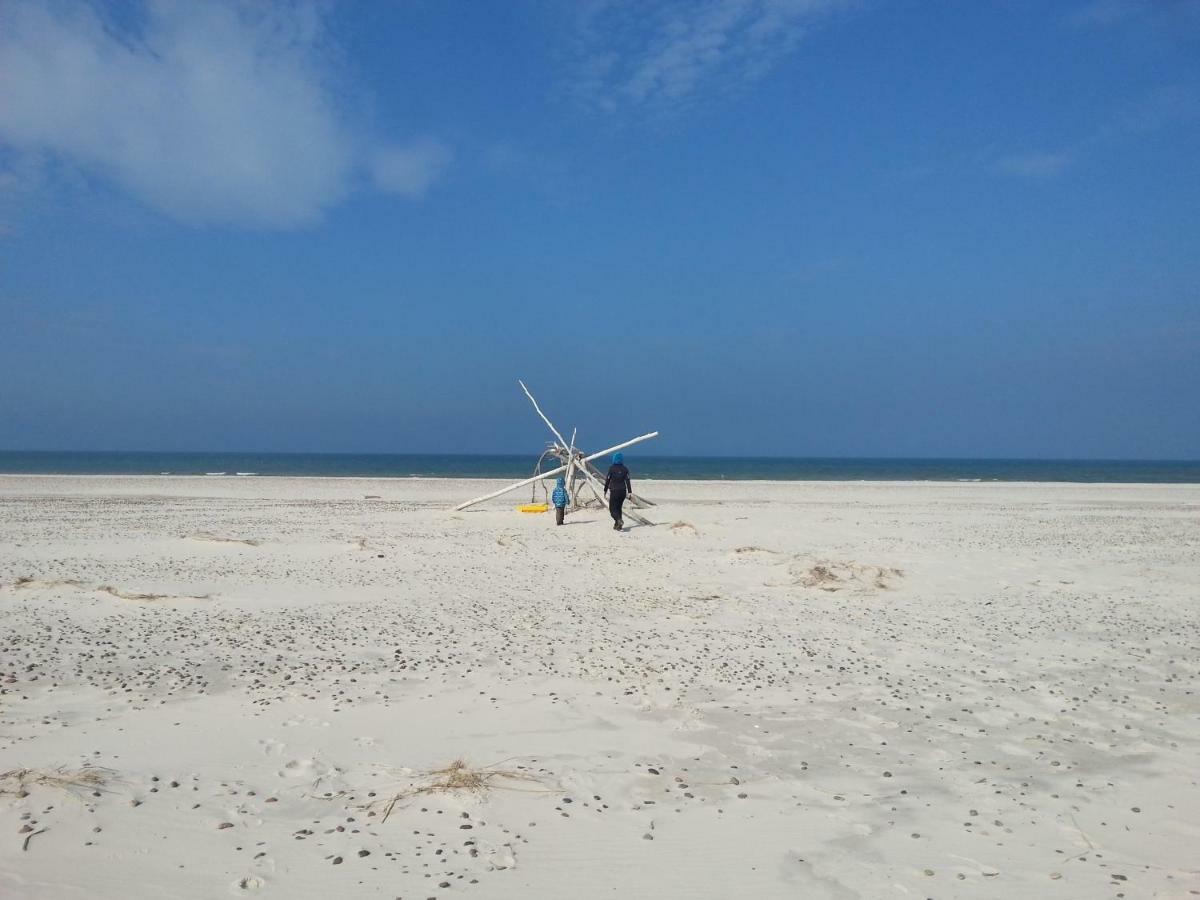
494, 479
648, 466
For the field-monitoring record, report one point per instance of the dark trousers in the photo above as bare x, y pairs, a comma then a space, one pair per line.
616, 499
559, 512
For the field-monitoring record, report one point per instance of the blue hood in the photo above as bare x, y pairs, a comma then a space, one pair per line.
561, 481
618, 458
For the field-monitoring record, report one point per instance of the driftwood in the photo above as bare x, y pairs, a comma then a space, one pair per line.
554, 472
571, 471
574, 463
596, 485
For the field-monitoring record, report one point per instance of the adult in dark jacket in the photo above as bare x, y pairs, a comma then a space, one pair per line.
617, 487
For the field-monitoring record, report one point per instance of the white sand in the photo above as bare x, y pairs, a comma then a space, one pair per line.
1013, 714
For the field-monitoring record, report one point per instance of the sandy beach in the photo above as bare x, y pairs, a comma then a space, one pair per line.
314, 688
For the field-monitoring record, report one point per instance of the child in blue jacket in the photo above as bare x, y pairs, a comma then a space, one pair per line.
560, 499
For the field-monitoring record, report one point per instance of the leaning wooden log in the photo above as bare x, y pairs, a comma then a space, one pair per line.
549, 424
598, 489
639, 502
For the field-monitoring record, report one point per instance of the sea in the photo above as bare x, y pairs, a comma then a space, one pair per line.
734, 468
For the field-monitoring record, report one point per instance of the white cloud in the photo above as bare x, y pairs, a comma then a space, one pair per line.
410, 169
1033, 165
211, 112
637, 55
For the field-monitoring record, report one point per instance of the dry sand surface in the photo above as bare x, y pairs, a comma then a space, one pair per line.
279, 687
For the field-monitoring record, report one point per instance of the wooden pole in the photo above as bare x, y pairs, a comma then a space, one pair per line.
559, 470
571, 470
596, 493
538, 410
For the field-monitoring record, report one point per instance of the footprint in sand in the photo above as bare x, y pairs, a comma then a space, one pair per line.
300, 768
692, 720
244, 817
501, 858
270, 747
305, 720
249, 883
312, 770
365, 741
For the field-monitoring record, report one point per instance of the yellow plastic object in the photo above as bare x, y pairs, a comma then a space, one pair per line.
534, 507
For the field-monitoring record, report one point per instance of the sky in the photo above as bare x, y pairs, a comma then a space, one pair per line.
762, 227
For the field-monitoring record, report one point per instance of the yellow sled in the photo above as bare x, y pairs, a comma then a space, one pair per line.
534, 507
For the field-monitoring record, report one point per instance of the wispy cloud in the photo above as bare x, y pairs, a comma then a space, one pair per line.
410, 169
1169, 106
212, 113
1033, 165
632, 54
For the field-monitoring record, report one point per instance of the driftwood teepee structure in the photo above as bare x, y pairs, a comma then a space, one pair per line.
577, 466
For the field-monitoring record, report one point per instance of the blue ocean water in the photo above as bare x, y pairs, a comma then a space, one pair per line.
400, 465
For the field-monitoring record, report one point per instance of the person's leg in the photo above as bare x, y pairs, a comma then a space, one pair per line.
615, 504
558, 515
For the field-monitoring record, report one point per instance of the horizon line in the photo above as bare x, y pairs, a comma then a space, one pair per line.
837, 458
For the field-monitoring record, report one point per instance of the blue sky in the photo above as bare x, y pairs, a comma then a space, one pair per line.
779, 227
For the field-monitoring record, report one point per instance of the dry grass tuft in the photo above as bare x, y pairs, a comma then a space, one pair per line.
143, 598
216, 538
457, 778
31, 583
821, 576
25, 582
835, 576
88, 778
129, 595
